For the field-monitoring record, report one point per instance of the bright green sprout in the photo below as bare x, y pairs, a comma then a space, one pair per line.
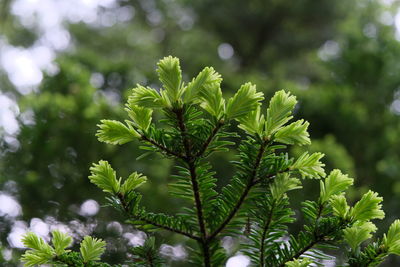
334, 184
146, 97
304, 262
282, 184
103, 175
60, 242
392, 238
140, 116
279, 112
294, 134
195, 89
91, 249
170, 74
115, 132
368, 208
358, 233
245, 100
310, 166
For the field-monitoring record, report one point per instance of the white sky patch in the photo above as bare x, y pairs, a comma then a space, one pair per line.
397, 21
24, 66
329, 50
18, 229
9, 206
21, 67
135, 239
395, 107
39, 227
89, 208
177, 252
225, 51
238, 261
8, 112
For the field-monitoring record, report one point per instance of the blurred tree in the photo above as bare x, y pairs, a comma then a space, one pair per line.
340, 58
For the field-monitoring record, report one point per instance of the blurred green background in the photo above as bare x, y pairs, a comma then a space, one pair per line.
64, 65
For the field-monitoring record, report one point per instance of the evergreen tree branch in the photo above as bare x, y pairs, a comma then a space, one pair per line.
161, 147
153, 223
302, 251
315, 239
210, 138
379, 253
190, 161
257, 181
264, 235
245, 192
146, 220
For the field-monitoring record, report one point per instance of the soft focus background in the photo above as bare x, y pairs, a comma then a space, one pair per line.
66, 64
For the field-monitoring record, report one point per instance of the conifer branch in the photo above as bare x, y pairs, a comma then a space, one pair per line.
260, 162
317, 238
264, 234
245, 192
301, 252
167, 228
161, 147
190, 161
210, 138
380, 252
146, 220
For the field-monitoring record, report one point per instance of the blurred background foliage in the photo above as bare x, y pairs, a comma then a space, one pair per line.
64, 65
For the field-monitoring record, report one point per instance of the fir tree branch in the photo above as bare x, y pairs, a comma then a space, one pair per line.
301, 252
315, 240
245, 192
257, 181
264, 234
190, 161
161, 147
380, 252
167, 228
146, 220
210, 138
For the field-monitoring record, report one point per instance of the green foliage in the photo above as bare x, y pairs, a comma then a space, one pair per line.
146, 97
253, 123
103, 175
339, 206
279, 112
368, 208
115, 132
91, 249
255, 201
282, 184
299, 263
294, 134
205, 79
170, 74
340, 99
334, 184
212, 100
358, 233
140, 116
246, 100
61, 241
263, 177
392, 240
132, 182
147, 255
309, 166
41, 252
